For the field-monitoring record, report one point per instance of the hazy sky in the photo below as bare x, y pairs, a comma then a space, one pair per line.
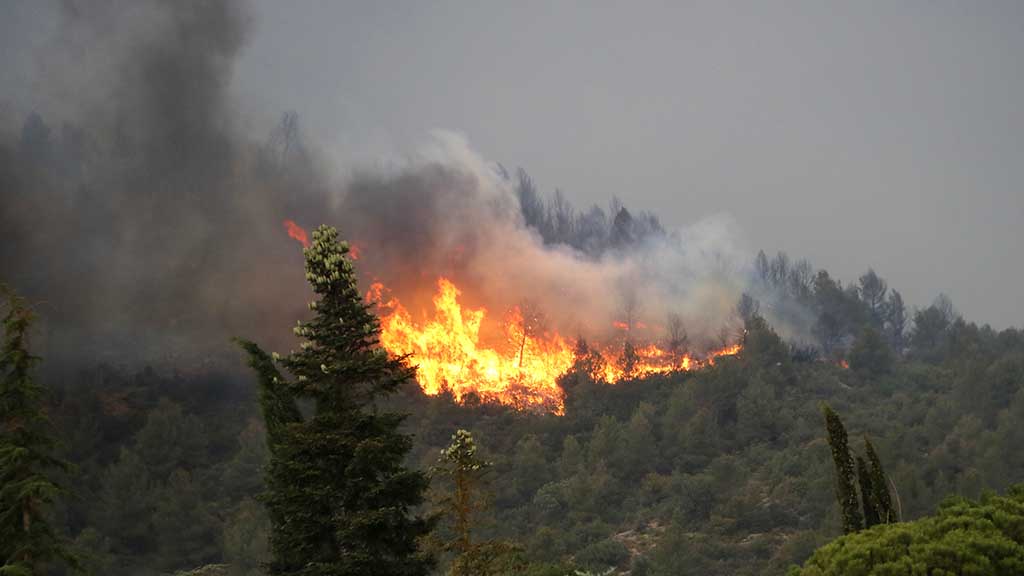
856, 134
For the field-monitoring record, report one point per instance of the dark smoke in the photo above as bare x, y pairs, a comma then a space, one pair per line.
146, 222
447, 211
136, 212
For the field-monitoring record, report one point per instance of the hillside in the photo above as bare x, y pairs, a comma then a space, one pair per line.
724, 470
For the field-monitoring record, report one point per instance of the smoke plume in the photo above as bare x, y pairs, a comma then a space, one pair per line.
146, 223
447, 212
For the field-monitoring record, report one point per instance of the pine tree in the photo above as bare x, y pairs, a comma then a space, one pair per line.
846, 491
28, 541
880, 496
338, 495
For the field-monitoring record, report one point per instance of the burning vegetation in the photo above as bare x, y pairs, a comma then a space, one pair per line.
515, 358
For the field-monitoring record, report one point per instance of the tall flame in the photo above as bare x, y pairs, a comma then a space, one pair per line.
519, 368
450, 356
297, 232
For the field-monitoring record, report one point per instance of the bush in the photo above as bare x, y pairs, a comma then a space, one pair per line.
604, 554
964, 537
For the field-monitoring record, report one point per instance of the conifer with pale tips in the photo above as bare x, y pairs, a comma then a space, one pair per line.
339, 497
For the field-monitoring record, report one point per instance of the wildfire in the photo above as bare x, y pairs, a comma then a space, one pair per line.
519, 368
297, 232
517, 365
450, 356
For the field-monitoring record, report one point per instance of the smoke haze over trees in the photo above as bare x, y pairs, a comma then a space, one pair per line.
135, 194
142, 216
132, 208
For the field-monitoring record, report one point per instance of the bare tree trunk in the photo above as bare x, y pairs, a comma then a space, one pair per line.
522, 346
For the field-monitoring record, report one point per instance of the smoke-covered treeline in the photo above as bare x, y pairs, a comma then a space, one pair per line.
817, 314
136, 210
592, 232
145, 216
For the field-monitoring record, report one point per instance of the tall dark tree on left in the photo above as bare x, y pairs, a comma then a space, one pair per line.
28, 540
339, 498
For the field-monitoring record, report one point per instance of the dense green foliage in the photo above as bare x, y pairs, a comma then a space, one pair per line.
28, 540
984, 538
339, 497
721, 471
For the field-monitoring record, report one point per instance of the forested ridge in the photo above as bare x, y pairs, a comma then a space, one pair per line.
725, 470
820, 425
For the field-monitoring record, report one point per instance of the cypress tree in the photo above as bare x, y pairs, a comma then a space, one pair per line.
879, 486
866, 494
338, 496
846, 491
28, 541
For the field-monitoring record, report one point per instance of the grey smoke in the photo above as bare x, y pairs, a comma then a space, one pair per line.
137, 212
144, 218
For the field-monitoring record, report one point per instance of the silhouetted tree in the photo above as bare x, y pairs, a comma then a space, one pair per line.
762, 270
561, 219
778, 270
872, 292
747, 308
532, 322
629, 304
622, 233
531, 205
895, 320
677, 338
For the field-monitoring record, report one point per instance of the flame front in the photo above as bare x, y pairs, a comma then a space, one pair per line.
450, 356
521, 367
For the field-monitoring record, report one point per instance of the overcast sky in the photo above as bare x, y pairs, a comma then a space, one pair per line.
856, 134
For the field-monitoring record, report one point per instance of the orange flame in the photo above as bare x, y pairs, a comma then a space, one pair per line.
450, 356
297, 232
354, 251
519, 368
